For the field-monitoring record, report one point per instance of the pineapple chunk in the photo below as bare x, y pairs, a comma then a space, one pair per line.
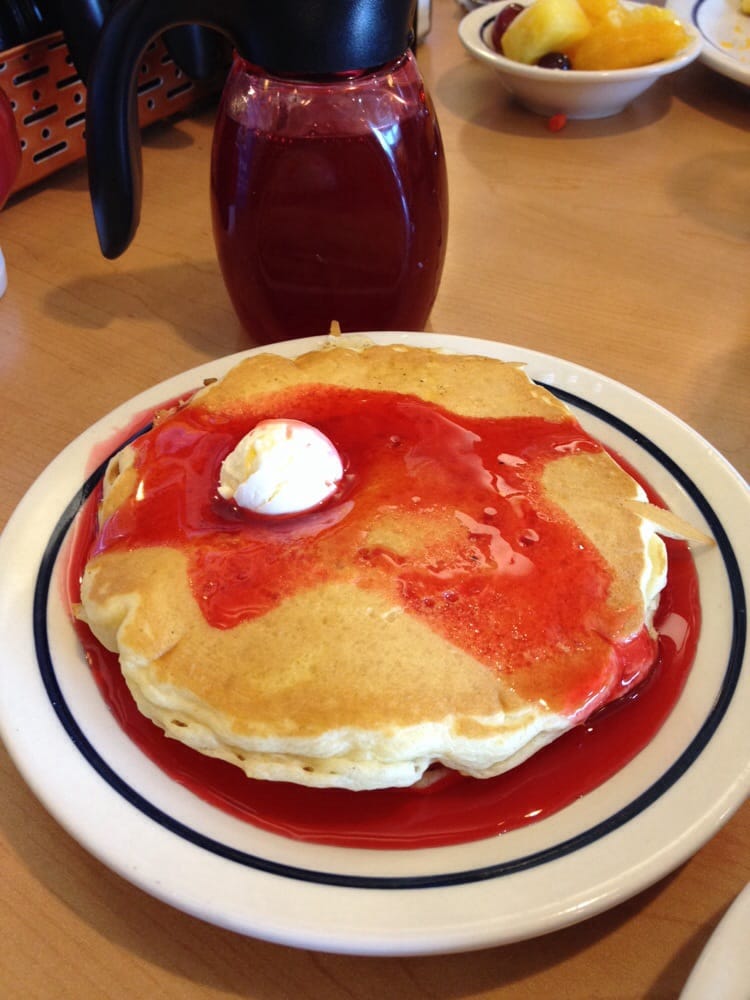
545, 26
630, 37
745, 6
595, 10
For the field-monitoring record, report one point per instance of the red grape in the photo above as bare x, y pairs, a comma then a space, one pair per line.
501, 24
554, 60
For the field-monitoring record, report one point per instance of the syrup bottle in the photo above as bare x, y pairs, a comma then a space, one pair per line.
328, 182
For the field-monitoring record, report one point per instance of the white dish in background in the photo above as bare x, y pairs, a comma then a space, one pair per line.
605, 847
573, 93
725, 31
723, 969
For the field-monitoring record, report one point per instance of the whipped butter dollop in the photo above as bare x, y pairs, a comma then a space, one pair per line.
281, 467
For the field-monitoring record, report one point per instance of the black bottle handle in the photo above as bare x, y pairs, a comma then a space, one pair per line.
200, 53
113, 142
305, 37
81, 22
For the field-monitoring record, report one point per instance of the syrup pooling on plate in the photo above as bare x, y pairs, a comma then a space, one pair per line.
454, 808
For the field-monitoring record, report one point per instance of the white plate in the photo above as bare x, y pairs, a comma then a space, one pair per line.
725, 31
635, 828
723, 969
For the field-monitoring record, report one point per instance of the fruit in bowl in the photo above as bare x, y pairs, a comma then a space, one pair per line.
587, 34
615, 40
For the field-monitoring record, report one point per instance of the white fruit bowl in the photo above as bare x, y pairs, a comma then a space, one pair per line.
573, 93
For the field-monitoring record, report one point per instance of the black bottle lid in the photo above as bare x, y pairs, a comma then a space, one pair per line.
324, 37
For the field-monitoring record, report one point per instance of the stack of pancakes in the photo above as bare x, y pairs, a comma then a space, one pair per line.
345, 672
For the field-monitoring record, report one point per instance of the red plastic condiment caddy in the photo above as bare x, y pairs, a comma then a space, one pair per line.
48, 99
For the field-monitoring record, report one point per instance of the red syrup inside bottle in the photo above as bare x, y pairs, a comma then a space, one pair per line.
329, 202
453, 808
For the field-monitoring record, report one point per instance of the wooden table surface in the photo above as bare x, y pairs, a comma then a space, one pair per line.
622, 245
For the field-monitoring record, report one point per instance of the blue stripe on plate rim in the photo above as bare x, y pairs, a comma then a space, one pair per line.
623, 815
694, 14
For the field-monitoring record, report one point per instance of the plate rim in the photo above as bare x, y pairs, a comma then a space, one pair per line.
711, 54
450, 938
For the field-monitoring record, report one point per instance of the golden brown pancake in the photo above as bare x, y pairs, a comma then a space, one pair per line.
484, 578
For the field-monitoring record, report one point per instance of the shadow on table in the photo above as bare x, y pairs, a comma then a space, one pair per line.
714, 189
714, 95
187, 294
